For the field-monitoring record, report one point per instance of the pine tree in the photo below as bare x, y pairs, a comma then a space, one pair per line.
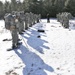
1, 10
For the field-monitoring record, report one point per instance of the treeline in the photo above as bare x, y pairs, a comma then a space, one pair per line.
38, 7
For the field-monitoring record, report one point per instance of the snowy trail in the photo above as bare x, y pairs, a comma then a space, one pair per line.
51, 54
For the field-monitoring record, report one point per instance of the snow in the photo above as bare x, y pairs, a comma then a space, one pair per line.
53, 53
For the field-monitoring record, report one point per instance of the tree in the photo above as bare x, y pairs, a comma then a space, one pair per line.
70, 6
7, 7
1, 10
35, 6
13, 5
59, 4
25, 5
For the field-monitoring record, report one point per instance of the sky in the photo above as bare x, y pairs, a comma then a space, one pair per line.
7, 0
4, 0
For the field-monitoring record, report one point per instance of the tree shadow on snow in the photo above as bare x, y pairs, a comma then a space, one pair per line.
34, 65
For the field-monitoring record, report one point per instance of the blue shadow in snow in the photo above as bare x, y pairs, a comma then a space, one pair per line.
34, 65
34, 42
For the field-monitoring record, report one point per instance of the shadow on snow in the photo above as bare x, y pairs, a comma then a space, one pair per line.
34, 65
34, 41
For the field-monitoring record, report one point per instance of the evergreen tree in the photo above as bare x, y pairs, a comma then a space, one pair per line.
14, 5
42, 7
70, 6
25, 5
7, 7
1, 10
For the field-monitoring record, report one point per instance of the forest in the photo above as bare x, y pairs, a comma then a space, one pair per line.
42, 7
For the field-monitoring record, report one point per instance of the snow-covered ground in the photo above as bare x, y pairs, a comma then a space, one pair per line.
53, 53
